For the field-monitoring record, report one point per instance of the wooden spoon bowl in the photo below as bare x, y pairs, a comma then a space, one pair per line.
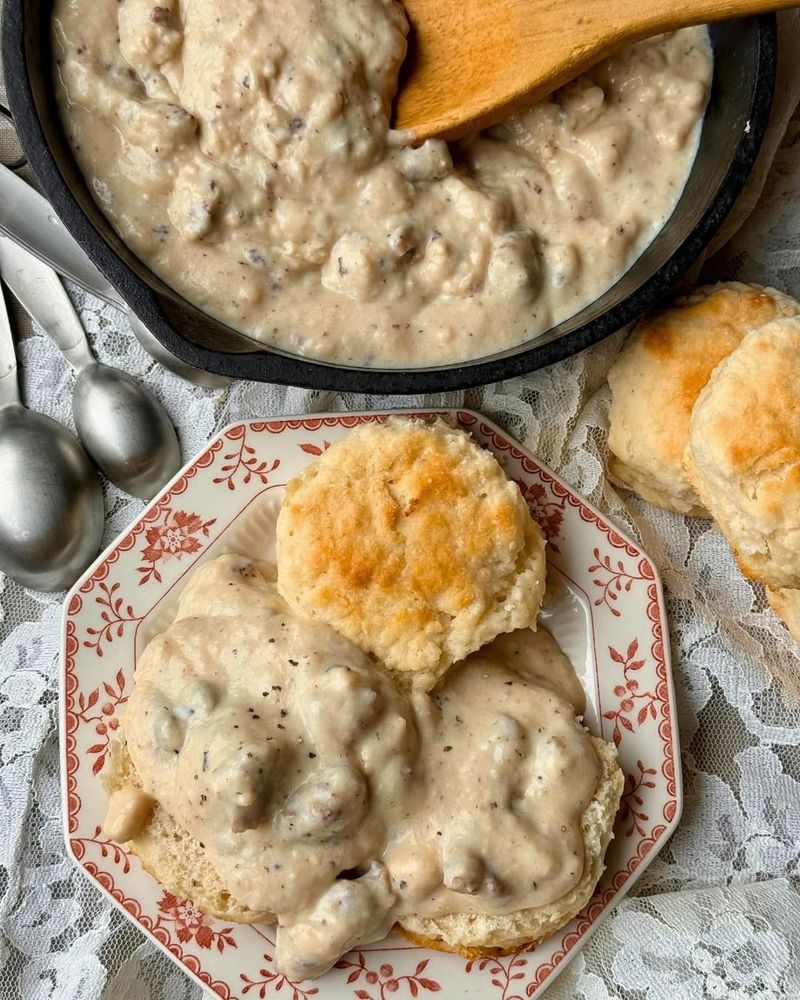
472, 63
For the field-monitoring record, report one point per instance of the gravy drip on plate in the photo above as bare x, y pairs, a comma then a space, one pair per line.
327, 796
243, 151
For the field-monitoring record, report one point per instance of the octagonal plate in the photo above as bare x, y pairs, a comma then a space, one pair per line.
604, 605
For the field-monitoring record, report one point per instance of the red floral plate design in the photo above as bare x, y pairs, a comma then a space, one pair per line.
605, 607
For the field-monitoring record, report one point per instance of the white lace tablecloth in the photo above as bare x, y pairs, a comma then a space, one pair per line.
716, 915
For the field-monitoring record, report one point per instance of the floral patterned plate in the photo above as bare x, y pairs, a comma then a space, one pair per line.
604, 605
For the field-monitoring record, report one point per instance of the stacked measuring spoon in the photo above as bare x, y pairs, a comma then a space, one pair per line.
52, 519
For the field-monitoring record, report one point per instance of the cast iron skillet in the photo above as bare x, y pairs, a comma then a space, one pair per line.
739, 108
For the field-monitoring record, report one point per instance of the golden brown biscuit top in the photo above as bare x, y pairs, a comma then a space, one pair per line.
689, 340
752, 415
369, 539
744, 452
409, 539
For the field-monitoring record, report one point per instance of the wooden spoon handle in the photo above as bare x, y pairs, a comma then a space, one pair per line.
474, 62
630, 22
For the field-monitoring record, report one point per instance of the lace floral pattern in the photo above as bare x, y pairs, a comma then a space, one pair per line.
717, 915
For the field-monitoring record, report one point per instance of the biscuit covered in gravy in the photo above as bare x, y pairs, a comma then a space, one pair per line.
271, 770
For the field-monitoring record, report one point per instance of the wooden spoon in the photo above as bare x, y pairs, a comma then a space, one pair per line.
472, 63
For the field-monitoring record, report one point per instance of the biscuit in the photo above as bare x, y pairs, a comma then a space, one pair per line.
173, 856
658, 376
475, 935
743, 454
409, 539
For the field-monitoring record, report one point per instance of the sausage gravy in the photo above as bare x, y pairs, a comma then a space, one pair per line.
325, 794
243, 151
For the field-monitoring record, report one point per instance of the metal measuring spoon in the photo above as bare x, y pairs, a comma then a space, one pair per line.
125, 429
51, 521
